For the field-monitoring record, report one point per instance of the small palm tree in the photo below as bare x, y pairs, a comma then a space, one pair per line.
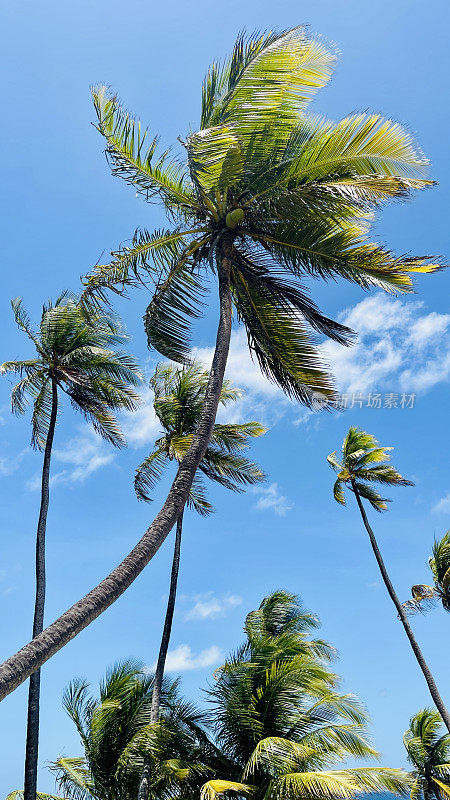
281, 721
424, 596
363, 463
428, 749
262, 196
79, 359
178, 399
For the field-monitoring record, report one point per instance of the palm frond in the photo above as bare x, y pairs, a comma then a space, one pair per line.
153, 175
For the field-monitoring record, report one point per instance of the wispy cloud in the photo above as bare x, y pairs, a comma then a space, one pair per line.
208, 606
443, 505
83, 454
182, 659
10, 465
272, 499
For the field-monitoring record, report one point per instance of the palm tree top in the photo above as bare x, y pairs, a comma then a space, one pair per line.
282, 722
82, 359
281, 194
423, 596
428, 749
364, 462
178, 401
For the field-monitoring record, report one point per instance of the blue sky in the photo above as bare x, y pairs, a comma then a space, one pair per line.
61, 209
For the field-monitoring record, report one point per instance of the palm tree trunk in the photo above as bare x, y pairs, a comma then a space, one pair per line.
32, 742
18, 667
161, 663
437, 699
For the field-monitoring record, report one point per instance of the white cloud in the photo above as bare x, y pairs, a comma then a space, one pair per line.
9, 465
443, 505
140, 427
182, 659
399, 348
83, 454
271, 498
208, 606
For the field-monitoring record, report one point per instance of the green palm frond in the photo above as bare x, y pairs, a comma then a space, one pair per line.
215, 788
149, 473
428, 749
177, 300
135, 159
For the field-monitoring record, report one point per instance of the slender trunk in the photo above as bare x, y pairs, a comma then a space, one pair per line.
437, 699
161, 663
19, 666
32, 742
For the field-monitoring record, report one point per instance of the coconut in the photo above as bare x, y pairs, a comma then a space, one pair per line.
234, 218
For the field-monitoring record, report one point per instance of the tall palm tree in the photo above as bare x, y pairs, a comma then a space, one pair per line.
363, 463
115, 732
81, 360
281, 721
428, 751
425, 596
262, 196
178, 399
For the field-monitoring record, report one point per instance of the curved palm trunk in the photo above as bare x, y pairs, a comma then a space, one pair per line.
161, 663
32, 742
437, 699
18, 667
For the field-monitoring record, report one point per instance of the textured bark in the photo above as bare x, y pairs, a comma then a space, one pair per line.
144, 784
437, 699
32, 742
20, 666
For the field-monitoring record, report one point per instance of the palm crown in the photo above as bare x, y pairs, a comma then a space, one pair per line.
81, 358
281, 721
423, 595
281, 194
364, 462
116, 733
178, 401
428, 751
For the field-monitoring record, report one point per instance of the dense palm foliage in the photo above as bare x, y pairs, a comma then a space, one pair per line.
428, 749
178, 400
82, 360
279, 193
362, 463
425, 596
116, 733
280, 719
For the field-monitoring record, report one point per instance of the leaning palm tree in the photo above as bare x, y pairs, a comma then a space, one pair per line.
178, 399
424, 596
262, 196
428, 751
281, 721
363, 463
80, 360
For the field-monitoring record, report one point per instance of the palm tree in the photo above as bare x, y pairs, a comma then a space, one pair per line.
428, 751
81, 360
281, 721
115, 733
424, 596
178, 398
262, 196
363, 463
